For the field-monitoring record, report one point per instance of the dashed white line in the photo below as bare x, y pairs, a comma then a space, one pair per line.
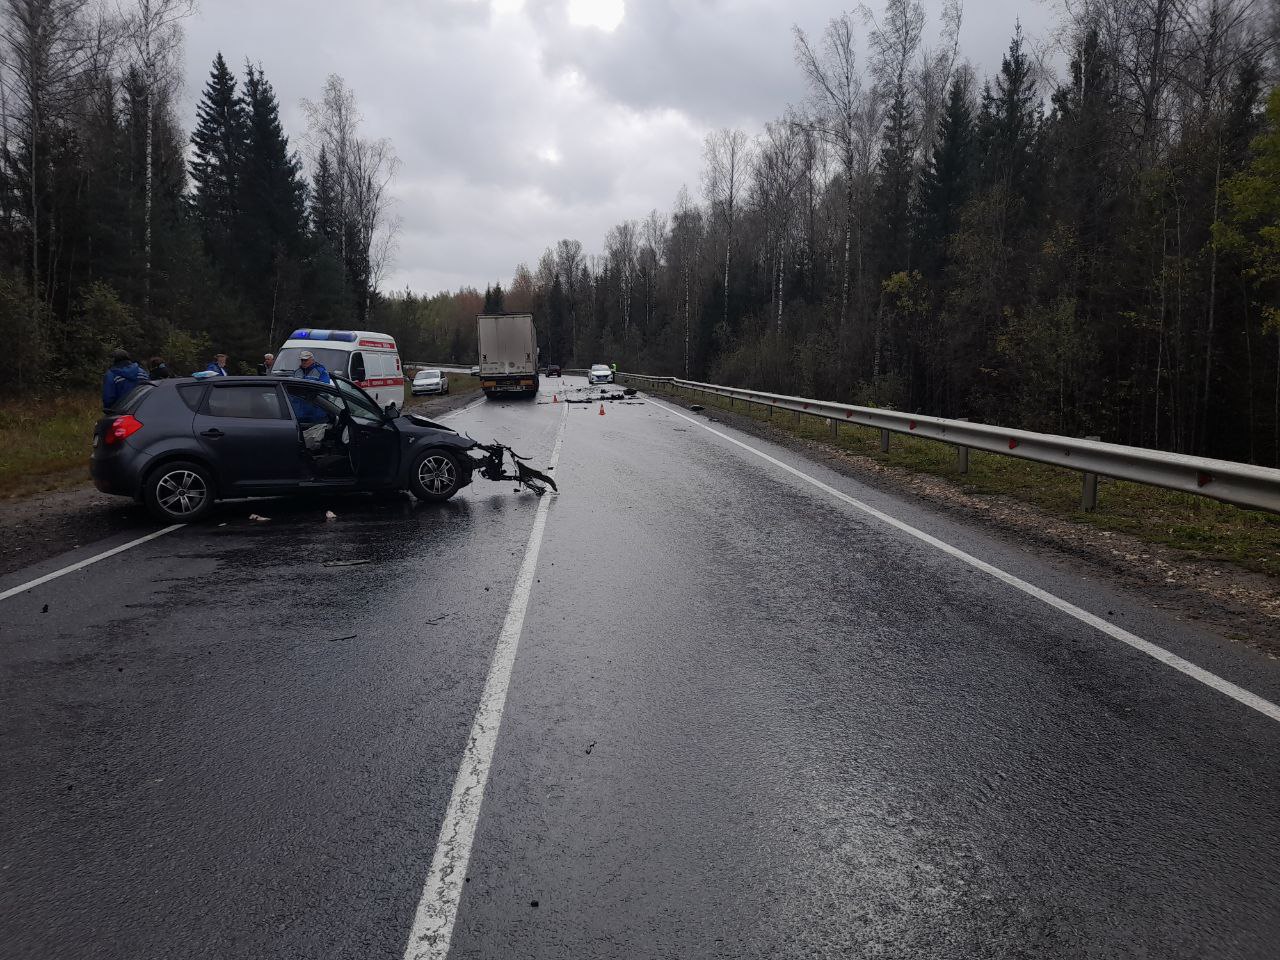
14, 591
438, 908
1156, 652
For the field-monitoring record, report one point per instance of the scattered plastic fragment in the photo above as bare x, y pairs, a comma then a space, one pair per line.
590, 746
256, 518
696, 407
346, 563
336, 639
46, 609
330, 515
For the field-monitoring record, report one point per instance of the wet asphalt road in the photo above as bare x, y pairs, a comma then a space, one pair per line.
744, 721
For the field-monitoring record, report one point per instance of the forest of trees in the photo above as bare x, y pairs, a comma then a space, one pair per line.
1091, 248
1091, 253
119, 229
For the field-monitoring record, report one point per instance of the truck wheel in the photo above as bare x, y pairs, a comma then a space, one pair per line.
436, 476
179, 492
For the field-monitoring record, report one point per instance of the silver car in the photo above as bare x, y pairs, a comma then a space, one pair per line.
599, 373
430, 381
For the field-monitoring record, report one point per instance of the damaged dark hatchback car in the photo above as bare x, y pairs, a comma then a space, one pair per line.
180, 445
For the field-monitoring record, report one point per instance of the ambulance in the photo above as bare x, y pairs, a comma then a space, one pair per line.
368, 359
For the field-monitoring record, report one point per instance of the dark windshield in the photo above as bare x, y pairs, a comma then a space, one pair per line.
335, 361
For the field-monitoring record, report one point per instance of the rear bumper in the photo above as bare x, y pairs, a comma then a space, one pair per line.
120, 472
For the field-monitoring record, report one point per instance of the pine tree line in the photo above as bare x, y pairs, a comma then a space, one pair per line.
110, 238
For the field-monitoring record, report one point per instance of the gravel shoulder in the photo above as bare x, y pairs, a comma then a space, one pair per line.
1239, 605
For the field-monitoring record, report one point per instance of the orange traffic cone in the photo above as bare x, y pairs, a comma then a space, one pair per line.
602, 409
555, 398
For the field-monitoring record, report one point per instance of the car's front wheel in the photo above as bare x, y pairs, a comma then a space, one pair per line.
179, 492
436, 476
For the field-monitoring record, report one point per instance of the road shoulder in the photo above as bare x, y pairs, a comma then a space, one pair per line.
1237, 604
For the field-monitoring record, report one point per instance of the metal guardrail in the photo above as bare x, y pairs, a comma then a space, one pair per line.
1242, 484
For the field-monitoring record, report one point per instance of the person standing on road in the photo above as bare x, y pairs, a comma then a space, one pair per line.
159, 370
311, 369
120, 380
219, 366
268, 361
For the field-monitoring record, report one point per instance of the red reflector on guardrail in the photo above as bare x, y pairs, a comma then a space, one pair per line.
1203, 478
1013, 444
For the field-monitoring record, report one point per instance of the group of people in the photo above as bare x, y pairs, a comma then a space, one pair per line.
126, 373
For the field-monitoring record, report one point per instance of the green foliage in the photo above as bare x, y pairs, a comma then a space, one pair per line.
1252, 226
98, 324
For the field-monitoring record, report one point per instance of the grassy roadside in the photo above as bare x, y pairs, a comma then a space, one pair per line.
45, 443
1200, 526
459, 383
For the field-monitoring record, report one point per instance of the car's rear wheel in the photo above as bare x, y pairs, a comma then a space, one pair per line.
179, 492
436, 476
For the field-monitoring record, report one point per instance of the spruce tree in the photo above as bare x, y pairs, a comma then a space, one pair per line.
896, 173
326, 218
1007, 126
218, 149
946, 182
272, 192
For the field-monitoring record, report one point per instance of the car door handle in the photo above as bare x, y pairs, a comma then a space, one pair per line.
213, 434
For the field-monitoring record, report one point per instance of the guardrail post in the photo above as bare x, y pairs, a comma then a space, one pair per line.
835, 428
1089, 490
962, 454
884, 441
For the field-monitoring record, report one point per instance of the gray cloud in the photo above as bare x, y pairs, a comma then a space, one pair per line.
516, 127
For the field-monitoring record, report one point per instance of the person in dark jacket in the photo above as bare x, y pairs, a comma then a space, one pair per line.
268, 361
159, 370
120, 380
219, 366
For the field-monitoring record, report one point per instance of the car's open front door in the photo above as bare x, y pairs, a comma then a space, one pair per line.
373, 437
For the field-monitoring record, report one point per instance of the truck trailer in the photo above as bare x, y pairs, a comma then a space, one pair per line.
508, 354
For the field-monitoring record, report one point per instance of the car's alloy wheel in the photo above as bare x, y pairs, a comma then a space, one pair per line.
436, 476
180, 492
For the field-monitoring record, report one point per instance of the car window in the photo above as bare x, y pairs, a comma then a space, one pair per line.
359, 405
358, 371
245, 401
192, 394
312, 404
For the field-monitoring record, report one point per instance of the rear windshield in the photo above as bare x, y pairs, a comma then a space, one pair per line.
133, 399
335, 361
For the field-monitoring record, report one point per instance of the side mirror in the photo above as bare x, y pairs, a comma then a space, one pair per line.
391, 410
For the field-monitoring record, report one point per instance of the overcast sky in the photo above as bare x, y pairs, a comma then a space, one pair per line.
519, 122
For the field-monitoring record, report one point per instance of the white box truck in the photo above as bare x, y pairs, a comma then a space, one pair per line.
508, 354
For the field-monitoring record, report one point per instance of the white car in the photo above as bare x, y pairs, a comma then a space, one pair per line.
599, 373
430, 381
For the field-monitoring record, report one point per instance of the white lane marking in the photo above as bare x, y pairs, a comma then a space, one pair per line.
438, 908
1237, 693
14, 591
460, 410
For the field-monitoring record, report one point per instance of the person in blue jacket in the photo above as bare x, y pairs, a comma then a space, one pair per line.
219, 366
120, 380
309, 368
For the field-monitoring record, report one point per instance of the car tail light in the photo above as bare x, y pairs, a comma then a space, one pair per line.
122, 427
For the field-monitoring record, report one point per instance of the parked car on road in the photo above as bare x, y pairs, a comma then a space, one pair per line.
554, 370
430, 381
599, 373
180, 445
